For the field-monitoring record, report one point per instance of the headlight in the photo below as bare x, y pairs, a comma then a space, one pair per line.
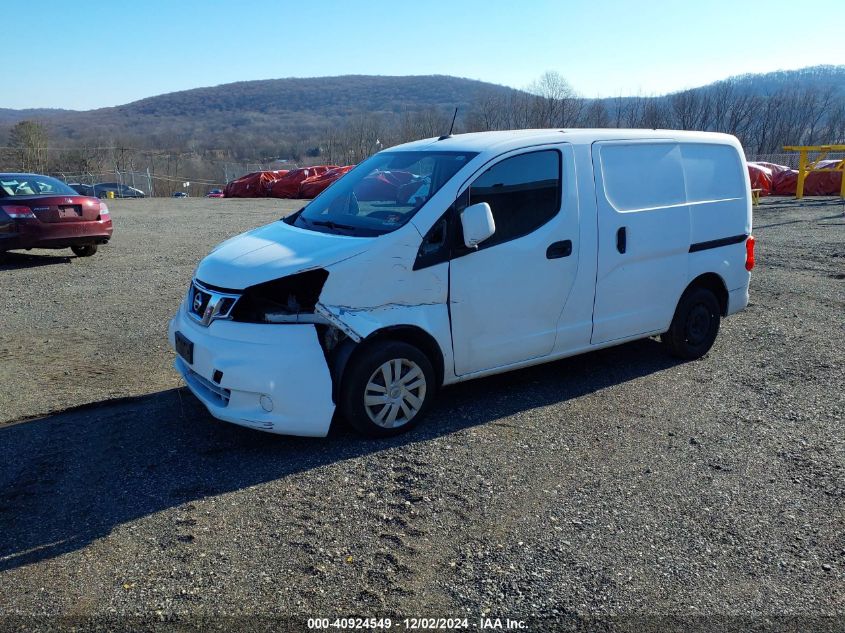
278, 300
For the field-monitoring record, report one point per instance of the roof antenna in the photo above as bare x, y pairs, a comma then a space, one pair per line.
451, 127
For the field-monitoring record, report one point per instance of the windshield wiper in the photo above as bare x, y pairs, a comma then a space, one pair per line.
331, 225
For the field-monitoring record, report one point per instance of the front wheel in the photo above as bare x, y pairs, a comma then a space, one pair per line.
694, 326
387, 388
84, 251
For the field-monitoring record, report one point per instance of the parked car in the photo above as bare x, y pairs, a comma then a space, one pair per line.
82, 189
101, 190
215, 193
523, 247
42, 212
179, 194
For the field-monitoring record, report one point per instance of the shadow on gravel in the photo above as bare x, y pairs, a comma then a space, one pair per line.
768, 226
12, 261
783, 202
71, 477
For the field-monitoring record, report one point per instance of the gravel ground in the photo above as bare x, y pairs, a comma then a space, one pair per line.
619, 490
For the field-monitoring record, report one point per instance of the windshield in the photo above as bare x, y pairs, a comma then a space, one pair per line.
381, 194
31, 185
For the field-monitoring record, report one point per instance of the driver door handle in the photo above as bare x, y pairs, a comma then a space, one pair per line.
556, 250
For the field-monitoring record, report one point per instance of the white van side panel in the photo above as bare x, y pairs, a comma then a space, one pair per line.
686, 207
379, 288
640, 195
720, 208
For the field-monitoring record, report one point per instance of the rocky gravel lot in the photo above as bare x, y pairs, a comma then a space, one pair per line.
619, 490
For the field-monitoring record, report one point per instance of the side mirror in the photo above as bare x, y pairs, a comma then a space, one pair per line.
477, 222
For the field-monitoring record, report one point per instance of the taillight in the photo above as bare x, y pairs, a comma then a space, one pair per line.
18, 212
104, 211
749, 253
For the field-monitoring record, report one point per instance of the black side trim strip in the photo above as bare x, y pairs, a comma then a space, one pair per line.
725, 241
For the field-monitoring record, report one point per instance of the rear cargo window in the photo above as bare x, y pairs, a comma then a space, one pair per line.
643, 175
713, 172
523, 192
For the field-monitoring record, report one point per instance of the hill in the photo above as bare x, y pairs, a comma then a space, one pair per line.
819, 78
348, 117
287, 108
9, 116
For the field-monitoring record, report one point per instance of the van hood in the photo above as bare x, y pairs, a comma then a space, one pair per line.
273, 251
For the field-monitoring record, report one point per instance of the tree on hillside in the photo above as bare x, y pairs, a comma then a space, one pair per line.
417, 124
28, 140
554, 102
595, 114
548, 102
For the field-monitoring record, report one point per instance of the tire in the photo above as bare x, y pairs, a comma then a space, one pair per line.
406, 400
84, 251
694, 326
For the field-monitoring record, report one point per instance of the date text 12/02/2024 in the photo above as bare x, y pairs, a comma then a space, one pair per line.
483, 623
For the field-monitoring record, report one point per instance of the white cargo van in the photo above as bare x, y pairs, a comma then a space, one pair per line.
457, 257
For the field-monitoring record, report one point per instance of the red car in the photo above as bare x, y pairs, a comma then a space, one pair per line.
215, 193
42, 212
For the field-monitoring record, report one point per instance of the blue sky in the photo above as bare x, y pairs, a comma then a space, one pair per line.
84, 54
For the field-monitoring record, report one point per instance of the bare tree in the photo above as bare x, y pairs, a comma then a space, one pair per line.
834, 127
489, 112
28, 140
362, 137
632, 111
691, 109
655, 115
595, 114
418, 124
554, 102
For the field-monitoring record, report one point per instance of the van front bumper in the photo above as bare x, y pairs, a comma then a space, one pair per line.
240, 370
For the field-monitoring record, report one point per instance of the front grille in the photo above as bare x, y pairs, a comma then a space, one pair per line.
199, 301
206, 305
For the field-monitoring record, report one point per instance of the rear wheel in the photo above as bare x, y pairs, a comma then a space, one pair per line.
84, 251
387, 388
694, 326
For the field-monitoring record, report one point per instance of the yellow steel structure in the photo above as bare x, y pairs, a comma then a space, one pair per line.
805, 165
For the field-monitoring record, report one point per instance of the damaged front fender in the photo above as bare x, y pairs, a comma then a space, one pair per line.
380, 291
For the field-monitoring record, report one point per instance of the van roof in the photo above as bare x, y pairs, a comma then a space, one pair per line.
503, 141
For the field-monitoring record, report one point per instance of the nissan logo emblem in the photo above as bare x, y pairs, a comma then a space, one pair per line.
197, 301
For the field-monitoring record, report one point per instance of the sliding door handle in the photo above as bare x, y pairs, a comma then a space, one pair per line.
622, 240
